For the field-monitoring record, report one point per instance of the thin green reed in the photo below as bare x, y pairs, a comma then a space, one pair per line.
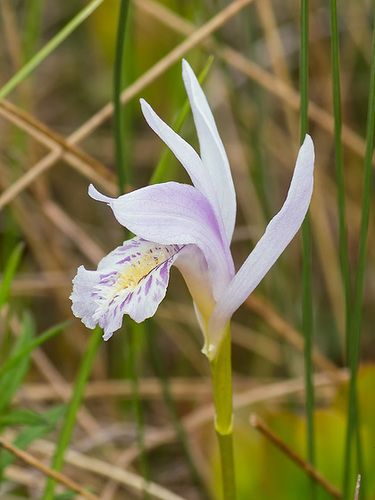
343, 252
343, 249
307, 318
31, 28
72, 410
49, 48
41, 339
10, 270
304, 68
356, 322
118, 114
135, 331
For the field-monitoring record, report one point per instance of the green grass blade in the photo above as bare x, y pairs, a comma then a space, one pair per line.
307, 325
304, 69
161, 169
31, 30
355, 330
51, 332
307, 314
10, 270
344, 259
74, 405
118, 116
48, 48
21, 417
12, 379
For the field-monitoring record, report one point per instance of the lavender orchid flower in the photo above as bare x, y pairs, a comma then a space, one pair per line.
190, 227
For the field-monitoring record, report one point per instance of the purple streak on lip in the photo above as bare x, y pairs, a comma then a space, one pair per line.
178, 214
164, 273
148, 284
127, 259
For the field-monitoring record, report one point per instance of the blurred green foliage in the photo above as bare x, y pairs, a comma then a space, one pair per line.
263, 471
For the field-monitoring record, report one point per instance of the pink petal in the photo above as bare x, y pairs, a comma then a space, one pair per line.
188, 157
212, 150
279, 232
173, 213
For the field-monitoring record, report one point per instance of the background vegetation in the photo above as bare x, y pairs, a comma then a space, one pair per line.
107, 415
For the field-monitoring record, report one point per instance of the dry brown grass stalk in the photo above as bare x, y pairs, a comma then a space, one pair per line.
205, 413
70, 228
273, 84
37, 464
97, 467
261, 426
266, 310
146, 79
80, 160
188, 389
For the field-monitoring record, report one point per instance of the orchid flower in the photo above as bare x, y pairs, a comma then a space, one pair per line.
191, 227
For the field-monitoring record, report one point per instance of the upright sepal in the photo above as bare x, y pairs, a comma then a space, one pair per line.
212, 150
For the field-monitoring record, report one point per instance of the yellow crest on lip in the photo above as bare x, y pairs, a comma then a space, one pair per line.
141, 264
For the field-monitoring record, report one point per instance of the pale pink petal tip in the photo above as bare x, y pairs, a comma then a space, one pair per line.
96, 195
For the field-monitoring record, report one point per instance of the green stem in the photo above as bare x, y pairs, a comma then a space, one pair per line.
307, 301
221, 374
119, 125
354, 341
343, 247
227, 465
